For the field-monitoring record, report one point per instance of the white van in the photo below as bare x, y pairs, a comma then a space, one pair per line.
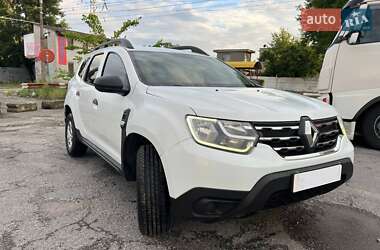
350, 76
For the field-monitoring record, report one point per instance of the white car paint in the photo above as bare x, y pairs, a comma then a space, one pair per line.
159, 114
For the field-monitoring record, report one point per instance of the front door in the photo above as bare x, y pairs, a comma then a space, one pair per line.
111, 108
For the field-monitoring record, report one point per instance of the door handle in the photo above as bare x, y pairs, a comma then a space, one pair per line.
77, 93
95, 102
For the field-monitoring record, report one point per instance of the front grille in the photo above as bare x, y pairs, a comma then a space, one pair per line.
285, 139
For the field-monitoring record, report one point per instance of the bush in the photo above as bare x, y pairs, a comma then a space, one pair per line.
47, 93
288, 56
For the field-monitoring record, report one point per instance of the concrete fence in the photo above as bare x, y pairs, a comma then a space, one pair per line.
8, 74
291, 84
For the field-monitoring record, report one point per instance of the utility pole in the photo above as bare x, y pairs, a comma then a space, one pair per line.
42, 43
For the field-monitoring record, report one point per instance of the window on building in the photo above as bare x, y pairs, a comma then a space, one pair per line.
93, 68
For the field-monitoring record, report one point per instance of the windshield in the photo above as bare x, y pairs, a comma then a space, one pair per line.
369, 28
175, 69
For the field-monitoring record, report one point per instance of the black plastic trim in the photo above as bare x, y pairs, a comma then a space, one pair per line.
192, 48
100, 152
123, 126
261, 196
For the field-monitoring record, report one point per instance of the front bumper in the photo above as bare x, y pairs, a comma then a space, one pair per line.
270, 191
189, 165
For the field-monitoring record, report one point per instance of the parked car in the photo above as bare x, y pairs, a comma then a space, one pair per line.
350, 76
201, 139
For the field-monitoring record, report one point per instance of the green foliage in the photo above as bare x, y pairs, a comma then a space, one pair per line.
126, 25
11, 32
63, 74
92, 20
162, 44
46, 93
90, 41
321, 40
288, 56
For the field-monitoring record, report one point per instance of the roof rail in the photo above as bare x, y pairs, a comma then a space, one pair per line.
115, 42
192, 48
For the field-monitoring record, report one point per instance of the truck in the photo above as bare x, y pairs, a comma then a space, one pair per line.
350, 75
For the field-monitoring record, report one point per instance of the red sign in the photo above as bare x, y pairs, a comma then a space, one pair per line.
62, 54
321, 19
46, 55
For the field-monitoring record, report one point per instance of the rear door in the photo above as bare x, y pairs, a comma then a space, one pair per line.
357, 79
88, 103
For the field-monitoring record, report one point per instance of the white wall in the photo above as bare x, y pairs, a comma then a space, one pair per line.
8, 74
291, 84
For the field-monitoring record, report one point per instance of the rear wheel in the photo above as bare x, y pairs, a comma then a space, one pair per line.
152, 193
370, 128
74, 147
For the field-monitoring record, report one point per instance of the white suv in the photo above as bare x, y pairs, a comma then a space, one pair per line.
201, 139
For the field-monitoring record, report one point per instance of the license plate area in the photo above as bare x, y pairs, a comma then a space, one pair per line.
316, 178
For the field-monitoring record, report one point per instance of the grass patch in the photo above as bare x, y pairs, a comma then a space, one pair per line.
46, 93
10, 85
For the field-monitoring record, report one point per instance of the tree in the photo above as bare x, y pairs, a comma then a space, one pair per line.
288, 56
321, 40
11, 32
97, 35
163, 44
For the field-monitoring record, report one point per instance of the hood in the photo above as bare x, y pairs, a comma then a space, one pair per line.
245, 104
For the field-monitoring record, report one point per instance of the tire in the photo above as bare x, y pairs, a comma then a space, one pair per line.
152, 193
370, 128
74, 147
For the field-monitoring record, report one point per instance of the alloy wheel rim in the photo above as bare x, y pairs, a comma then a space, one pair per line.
377, 127
69, 135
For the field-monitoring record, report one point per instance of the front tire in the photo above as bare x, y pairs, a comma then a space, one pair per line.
371, 127
74, 147
152, 193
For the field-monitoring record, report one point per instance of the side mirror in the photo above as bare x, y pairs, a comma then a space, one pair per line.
111, 84
353, 38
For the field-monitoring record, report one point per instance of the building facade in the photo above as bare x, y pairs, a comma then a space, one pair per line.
63, 59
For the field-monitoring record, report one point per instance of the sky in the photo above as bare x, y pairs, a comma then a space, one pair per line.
208, 24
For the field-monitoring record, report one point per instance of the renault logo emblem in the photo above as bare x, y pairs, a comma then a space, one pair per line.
309, 133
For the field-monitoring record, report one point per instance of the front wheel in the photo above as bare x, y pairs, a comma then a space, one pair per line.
152, 193
371, 128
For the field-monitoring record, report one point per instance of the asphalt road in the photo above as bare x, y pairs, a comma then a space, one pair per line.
50, 201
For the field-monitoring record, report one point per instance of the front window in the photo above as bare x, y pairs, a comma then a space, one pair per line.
369, 33
175, 69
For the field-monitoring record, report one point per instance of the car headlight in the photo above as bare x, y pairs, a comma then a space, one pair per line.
233, 136
341, 125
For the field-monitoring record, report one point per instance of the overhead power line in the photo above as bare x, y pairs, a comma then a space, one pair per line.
248, 4
151, 7
17, 20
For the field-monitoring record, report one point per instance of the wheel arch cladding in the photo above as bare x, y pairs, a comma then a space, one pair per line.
131, 144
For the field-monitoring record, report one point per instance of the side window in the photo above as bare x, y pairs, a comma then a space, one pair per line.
93, 68
373, 35
82, 67
114, 67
